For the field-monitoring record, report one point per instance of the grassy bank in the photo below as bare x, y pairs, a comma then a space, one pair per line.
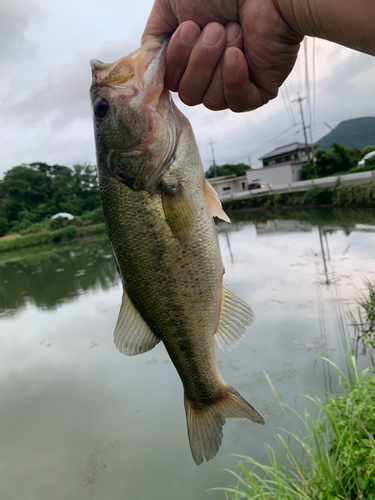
334, 459
339, 195
57, 230
14, 242
40, 252
91, 223
333, 456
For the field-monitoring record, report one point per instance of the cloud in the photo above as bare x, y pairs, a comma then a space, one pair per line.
16, 17
45, 96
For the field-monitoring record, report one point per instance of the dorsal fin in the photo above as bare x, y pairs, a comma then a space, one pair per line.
213, 202
235, 316
132, 334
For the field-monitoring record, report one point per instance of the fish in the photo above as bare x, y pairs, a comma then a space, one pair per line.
159, 211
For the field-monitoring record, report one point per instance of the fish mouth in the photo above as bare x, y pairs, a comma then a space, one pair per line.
142, 63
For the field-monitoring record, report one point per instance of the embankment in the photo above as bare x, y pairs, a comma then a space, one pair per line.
339, 195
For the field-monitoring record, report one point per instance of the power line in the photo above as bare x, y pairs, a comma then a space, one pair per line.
290, 102
307, 83
252, 152
329, 126
314, 86
286, 106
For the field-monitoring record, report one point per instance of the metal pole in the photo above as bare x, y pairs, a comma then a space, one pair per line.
213, 157
300, 99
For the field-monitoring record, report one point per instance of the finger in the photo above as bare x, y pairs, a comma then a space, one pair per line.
240, 93
178, 52
161, 20
214, 97
203, 59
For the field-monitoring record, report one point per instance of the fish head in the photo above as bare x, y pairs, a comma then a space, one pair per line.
135, 120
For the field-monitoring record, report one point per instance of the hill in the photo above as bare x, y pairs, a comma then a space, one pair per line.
355, 133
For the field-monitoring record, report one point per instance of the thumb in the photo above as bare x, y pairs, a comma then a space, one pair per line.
161, 21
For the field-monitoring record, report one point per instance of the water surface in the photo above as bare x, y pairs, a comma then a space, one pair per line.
79, 420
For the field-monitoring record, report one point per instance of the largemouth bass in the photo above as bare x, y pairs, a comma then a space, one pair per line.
159, 212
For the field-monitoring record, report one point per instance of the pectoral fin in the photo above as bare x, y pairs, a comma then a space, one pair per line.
180, 212
132, 334
213, 202
235, 316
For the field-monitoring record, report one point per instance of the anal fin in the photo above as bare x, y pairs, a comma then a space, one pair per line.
132, 334
235, 316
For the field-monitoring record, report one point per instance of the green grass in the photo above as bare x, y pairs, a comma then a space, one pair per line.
339, 195
60, 235
332, 459
354, 194
363, 322
333, 456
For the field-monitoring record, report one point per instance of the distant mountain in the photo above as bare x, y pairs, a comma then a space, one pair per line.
356, 133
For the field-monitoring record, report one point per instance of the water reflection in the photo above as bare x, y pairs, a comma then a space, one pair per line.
334, 276
53, 276
79, 420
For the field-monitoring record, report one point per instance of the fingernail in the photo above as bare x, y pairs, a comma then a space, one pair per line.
233, 33
188, 34
231, 57
212, 34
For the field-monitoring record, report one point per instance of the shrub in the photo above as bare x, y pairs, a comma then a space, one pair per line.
355, 194
4, 226
318, 195
94, 216
59, 222
65, 234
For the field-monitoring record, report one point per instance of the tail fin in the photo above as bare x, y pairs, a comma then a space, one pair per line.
205, 422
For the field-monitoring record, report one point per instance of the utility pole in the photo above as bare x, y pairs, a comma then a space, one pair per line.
213, 156
313, 152
300, 99
249, 161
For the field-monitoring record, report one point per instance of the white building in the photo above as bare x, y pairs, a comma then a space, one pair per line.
228, 184
282, 165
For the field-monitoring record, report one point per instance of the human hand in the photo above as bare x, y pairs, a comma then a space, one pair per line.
239, 66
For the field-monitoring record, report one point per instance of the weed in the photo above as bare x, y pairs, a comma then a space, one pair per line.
334, 459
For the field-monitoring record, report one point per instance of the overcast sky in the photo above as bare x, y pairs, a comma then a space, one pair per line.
45, 110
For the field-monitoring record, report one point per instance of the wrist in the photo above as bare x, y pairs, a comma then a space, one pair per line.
347, 22
298, 15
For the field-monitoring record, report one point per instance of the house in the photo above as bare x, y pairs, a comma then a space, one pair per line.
227, 184
282, 165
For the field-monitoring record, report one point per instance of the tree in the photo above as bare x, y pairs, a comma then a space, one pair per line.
31, 193
85, 185
367, 149
341, 159
23, 189
4, 226
227, 170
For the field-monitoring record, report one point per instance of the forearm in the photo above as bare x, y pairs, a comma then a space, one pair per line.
347, 22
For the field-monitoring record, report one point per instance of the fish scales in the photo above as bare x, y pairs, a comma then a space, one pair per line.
159, 214
168, 296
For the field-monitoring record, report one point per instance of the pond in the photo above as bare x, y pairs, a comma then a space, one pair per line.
79, 420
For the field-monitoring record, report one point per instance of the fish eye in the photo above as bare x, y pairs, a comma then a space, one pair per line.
101, 108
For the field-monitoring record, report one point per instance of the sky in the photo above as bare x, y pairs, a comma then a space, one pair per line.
45, 112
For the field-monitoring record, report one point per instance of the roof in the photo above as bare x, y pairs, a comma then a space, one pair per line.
289, 148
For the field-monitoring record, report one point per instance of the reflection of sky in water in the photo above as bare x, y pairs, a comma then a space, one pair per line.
79, 420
